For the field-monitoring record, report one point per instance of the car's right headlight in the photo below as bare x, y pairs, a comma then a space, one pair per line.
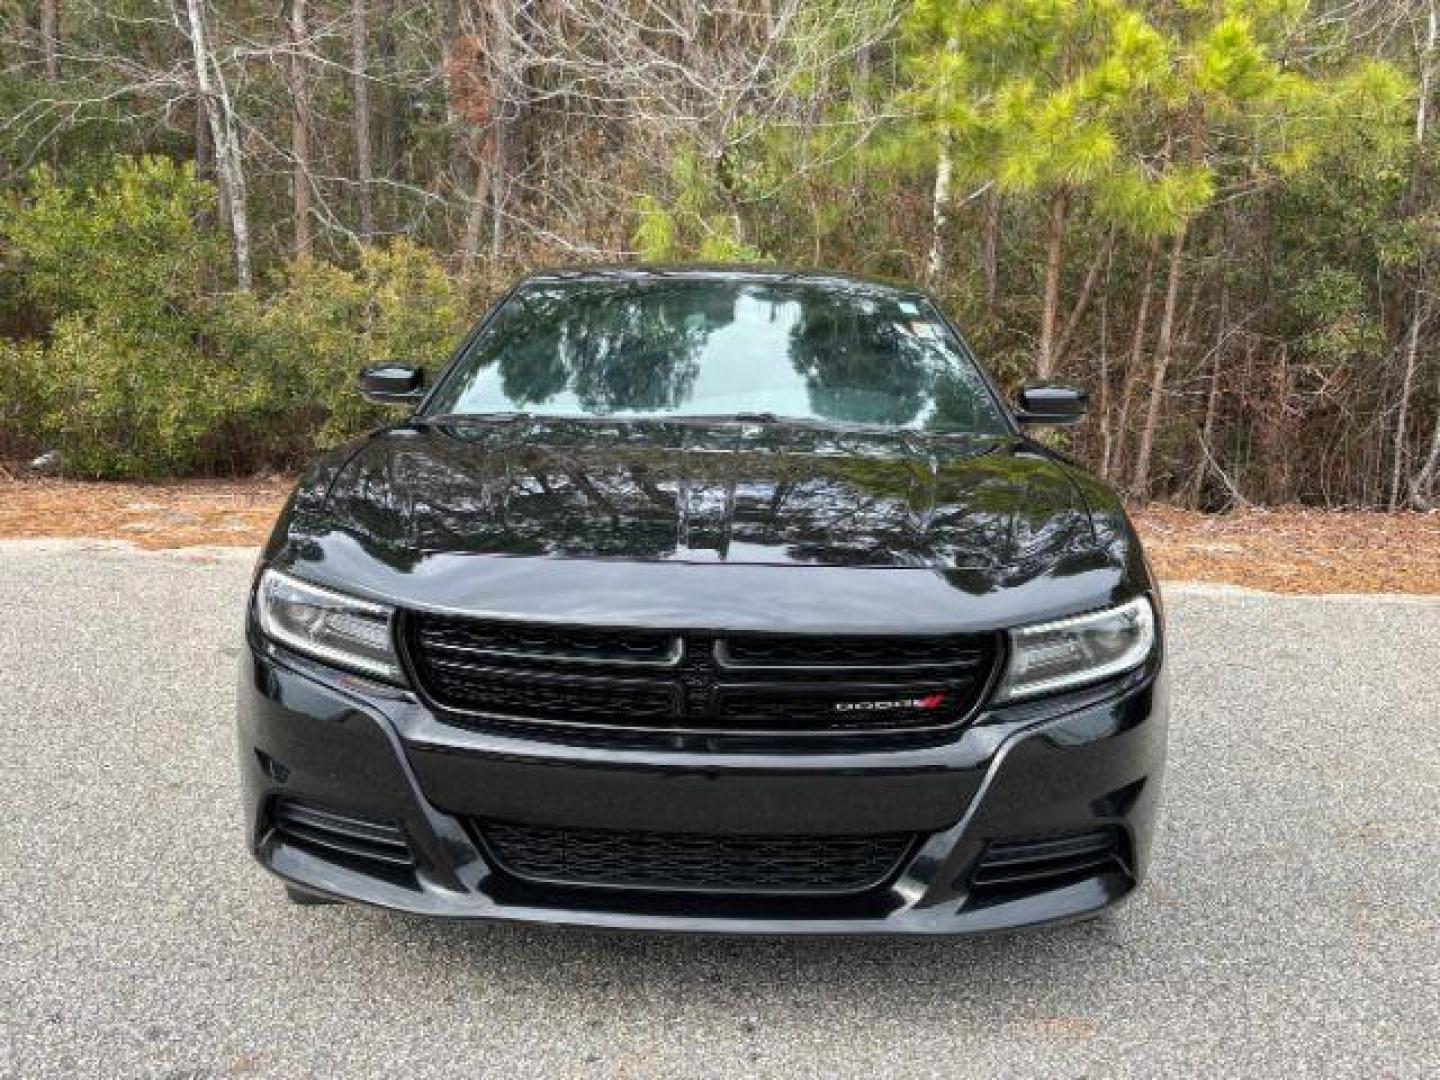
1073, 652
330, 626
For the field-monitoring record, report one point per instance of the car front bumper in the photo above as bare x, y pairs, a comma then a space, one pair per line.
1091, 760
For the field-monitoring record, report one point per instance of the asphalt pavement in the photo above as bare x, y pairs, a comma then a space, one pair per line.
1291, 925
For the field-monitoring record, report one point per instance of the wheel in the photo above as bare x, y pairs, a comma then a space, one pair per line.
306, 899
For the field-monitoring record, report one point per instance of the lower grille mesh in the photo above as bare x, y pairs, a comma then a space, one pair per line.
695, 862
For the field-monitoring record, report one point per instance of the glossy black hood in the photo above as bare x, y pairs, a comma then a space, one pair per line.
728, 493
594, 521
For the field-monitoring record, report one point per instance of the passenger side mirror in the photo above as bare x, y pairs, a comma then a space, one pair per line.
1050, 403
393, 384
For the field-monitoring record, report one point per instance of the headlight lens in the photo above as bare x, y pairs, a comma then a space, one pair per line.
328, 625
1072, 652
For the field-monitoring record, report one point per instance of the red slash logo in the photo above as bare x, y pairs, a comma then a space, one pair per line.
926, 703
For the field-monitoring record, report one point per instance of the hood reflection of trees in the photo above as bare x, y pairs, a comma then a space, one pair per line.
649, 491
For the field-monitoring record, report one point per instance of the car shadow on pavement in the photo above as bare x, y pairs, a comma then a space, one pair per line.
745, 972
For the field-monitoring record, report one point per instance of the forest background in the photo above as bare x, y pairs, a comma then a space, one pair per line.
1221, 216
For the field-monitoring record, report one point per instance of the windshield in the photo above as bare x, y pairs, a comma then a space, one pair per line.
714, 348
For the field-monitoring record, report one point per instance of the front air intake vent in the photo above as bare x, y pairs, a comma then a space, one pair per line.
652, 861
329, 833
1050, 862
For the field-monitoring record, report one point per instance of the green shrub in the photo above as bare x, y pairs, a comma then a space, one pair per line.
122, 386
309, 339
149, 370
117, 403
20, 404
130, 247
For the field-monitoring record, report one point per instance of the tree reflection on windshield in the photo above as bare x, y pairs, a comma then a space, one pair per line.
720, 346
612, 353
860, 368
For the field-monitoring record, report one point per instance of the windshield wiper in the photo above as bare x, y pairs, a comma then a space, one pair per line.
472, 418
737, 418
763, 418
808, 423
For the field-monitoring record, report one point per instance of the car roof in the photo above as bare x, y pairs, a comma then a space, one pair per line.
642, 272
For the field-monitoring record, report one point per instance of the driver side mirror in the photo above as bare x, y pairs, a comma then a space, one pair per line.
393, 384
1050, 403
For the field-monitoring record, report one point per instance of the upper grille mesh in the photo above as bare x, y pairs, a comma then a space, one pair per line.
886, 653
622, 680
513, 640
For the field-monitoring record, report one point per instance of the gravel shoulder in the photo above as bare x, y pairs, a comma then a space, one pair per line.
1290, 925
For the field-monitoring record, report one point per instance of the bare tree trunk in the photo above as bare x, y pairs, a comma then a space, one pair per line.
1132, 367
203, 148
1103, 411
1212, 398
1427, 70
1164, 346
939, 200
449, 35
499, 163
1276, 427
1407, 383
1421, 481
50, 42
360, 75
503, 84
300, 128
463, 157
990, 249
475, 216
1054, 263
229, 165
390, 121
50, 38
1082, 301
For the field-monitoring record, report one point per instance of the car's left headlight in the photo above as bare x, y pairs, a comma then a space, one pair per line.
330, 626
1084, 649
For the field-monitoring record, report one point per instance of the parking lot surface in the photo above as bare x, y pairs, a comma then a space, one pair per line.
1291, 925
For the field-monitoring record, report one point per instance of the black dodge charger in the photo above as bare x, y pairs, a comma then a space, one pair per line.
706, 600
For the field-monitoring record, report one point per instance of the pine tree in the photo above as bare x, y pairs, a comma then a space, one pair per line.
1236, 114
1030, 96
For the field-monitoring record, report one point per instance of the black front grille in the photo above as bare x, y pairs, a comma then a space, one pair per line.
770, 651
1049, 862
330, 833
829, 865
534, 695
623, 680
472, 638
